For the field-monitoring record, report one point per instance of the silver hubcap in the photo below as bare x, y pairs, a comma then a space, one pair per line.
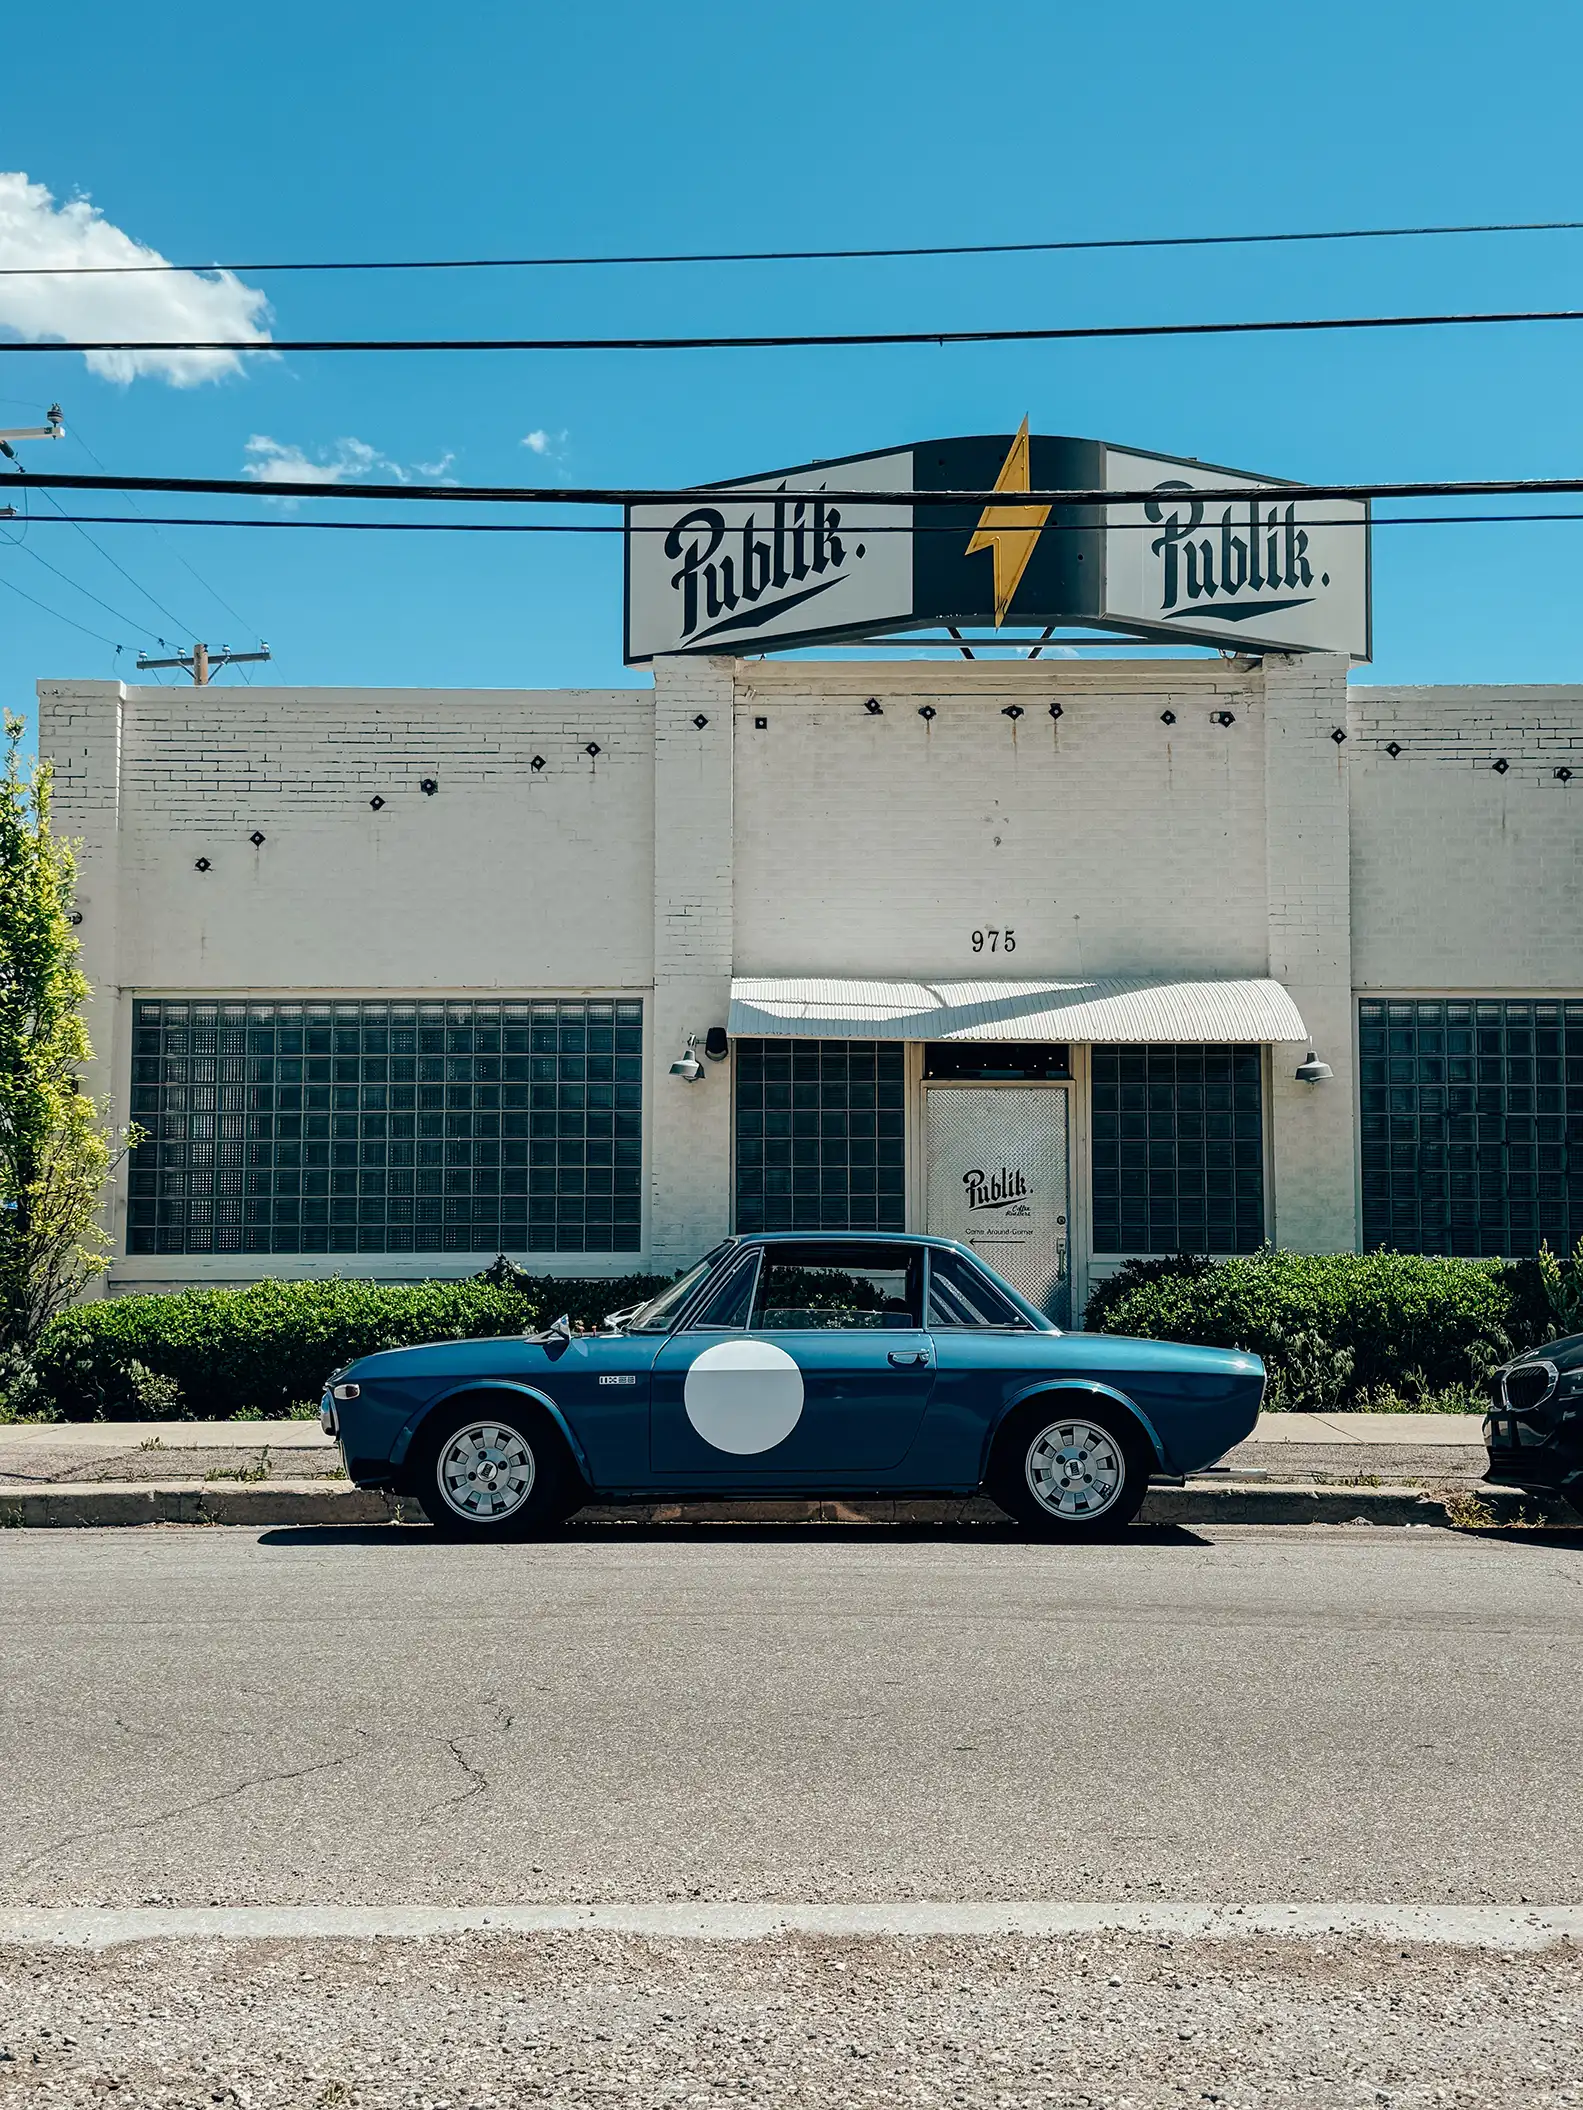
1075, 1469
486, 1472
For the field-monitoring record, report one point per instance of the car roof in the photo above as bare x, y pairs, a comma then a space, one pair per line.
918, 1238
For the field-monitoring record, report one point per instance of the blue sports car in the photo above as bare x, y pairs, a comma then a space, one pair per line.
793, 1365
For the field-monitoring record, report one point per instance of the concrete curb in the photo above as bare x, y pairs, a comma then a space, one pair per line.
277, 1503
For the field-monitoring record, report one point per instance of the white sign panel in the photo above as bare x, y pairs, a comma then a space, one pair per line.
1272, 573
731, 573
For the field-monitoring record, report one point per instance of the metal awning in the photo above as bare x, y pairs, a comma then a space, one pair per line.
1111, 1008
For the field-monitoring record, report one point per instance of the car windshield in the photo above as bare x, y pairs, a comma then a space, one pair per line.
658, 1314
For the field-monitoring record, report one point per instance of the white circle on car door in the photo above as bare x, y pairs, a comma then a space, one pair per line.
743, 1396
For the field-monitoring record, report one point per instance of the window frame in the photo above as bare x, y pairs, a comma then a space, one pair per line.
726, 1274
916, 1272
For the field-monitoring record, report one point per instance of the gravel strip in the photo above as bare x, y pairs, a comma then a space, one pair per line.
235, 1463
477, 2022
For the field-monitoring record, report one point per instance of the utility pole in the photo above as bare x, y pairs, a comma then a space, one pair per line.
54, 430
200, 661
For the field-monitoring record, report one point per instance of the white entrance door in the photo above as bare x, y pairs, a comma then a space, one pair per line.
998, 1177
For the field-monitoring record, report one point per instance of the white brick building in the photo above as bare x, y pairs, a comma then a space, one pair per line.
395, 978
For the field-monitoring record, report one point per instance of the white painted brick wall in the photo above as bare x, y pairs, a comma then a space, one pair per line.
833, 840
507, 878
690, 1132
1306, 782
1108, 841
1464, 877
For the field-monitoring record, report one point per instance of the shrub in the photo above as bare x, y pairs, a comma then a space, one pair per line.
1336, 1327
211, 1354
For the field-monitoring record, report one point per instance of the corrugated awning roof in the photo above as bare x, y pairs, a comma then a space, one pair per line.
1112, 1008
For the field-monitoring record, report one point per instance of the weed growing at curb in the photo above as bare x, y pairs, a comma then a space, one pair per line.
1469, 1512
249, 1475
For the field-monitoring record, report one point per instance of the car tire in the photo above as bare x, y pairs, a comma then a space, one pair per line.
493, 1468
1071, 1468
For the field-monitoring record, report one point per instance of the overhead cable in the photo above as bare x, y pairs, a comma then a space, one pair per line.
829, 340
611, 527
12, 587
808, 256
765, 488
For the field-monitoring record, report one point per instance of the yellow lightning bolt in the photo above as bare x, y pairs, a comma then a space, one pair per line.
1011, 532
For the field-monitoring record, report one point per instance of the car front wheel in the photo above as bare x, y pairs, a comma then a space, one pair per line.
491, 1474
1078, 1474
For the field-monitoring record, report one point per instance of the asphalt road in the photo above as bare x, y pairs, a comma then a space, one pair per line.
192, 1716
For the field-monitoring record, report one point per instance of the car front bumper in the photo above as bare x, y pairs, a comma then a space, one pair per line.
1536, 1449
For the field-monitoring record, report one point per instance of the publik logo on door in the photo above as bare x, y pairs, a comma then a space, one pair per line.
995, 1190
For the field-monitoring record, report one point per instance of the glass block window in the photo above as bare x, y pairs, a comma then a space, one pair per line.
820, 1135
1178, 1149
1472, 1124
387, 1127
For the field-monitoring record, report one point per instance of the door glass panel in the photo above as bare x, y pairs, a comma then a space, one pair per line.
731, 1302
960, 1296
998, 1181
838, 1286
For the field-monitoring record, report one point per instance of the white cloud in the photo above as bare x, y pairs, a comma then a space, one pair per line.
542, 442
35, 231
349, 461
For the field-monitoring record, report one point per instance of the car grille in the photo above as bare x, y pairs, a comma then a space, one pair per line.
1529, 1385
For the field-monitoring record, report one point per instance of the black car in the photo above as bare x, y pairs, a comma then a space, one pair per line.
1534, 1428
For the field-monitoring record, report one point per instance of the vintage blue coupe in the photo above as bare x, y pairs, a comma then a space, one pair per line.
793, 1365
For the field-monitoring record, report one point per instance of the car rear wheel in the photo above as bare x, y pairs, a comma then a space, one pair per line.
1077, 1473
490, 1471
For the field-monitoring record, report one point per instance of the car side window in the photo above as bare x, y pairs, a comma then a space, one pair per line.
959, 1295
730, 1305
838, 1285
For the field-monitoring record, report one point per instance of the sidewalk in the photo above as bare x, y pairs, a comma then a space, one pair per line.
1295, 1468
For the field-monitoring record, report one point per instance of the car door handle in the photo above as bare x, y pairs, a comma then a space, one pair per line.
908, 1358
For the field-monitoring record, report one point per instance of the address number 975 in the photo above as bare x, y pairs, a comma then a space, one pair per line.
994, 941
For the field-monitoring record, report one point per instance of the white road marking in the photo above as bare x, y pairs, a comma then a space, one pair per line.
1505, 1927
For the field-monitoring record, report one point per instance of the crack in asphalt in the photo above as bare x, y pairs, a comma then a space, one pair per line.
186, 1809
478, 1782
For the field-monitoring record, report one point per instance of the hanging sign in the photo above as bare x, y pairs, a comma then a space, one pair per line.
774, 562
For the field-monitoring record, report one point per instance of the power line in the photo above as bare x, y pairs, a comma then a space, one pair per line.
213, 591
68, 580
809, 256
834, 340
11, 587
586, 527
764, 488
121, 568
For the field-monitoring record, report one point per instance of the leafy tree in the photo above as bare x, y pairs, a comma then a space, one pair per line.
56, 1149
1563, 1281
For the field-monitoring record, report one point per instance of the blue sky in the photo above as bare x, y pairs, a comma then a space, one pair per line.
351, 130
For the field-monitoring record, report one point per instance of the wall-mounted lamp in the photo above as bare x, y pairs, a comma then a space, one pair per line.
716, 1045
688, 1067
1313, 1071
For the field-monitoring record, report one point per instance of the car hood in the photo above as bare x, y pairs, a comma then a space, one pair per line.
1566, 1354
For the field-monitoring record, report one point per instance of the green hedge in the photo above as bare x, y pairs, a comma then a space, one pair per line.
211, 1354
1337, 1330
